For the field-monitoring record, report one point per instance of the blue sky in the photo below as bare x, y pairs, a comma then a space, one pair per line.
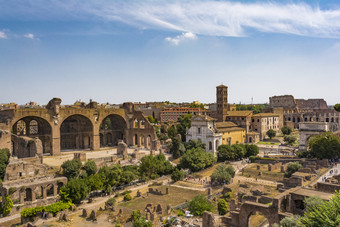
116, 51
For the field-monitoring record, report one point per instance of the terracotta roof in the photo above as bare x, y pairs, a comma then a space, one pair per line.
231, 129
239, 113
225, 124
266, 115
206, 117
221, 85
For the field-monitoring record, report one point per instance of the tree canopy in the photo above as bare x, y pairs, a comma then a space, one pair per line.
292, 168
271, 133
184, 124
177, 148
337, 107
325, 145
71, 168
289, 139
199, 204
197, 159
286, 130
152, 167
223, 174
90, 167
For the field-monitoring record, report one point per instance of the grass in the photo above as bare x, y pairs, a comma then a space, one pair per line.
175, 197
274, 175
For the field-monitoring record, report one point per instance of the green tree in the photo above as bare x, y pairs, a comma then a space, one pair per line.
292, 168
337, 107
324, 214
4, 157
239, 150
199, 204
194, 144
197, 159
292, 221
223, 174
76, 189
312, 201
90, 167
152, 167
271, 133
172, 132
286, 130
135, 215
325, 145
177, 175
71, 168
289, 139
184, 124
94, 182
222, 207
6, 209
225, 153
110, 202
251, 150
177, 148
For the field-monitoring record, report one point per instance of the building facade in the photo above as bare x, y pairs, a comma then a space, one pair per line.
172, 114
203, 128
263, 122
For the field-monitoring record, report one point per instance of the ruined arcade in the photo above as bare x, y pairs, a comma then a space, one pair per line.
62, 128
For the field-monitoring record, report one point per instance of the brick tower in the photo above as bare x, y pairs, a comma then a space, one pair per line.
222, 102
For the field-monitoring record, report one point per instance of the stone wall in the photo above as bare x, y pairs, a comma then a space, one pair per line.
327, 187
24, 147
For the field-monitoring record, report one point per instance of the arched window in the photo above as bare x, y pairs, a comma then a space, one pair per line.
34, 129
21, 128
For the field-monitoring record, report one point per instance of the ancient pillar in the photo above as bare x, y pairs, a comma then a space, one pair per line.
44, 192
33, 194
55, 139
95, 140
22, 197
138, 140
55, 189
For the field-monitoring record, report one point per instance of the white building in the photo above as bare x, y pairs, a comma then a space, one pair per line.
203, 128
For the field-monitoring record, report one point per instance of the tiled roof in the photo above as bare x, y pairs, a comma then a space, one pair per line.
239, 113
231, 129
225, 124
265, 115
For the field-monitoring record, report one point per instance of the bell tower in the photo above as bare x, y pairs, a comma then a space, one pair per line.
222, 102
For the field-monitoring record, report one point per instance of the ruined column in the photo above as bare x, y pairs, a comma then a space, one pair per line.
55, 189
138, 140
95, 140
44, 192
55, 139
22, 197
33, 194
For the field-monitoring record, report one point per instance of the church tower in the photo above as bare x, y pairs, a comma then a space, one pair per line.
222, 102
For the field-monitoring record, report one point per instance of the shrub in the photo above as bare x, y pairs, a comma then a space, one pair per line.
199, 204
52, 208
177, 175
292, 168
223, 174
110, 202
127, 197
6, 210
180, 213
289, 139
286, 130
222, 207
90, 167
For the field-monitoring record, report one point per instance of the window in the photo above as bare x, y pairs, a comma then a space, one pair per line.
258, 120
252, 120
199, 130
210, 145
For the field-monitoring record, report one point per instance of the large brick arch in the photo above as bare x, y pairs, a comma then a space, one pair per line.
112, 129
249, 208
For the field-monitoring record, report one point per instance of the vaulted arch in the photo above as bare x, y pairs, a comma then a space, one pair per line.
76, 132
112, 129
32, 126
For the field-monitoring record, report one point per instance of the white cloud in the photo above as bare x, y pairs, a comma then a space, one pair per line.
185, 36
219, 18
3, 35
29, 36
201, 17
